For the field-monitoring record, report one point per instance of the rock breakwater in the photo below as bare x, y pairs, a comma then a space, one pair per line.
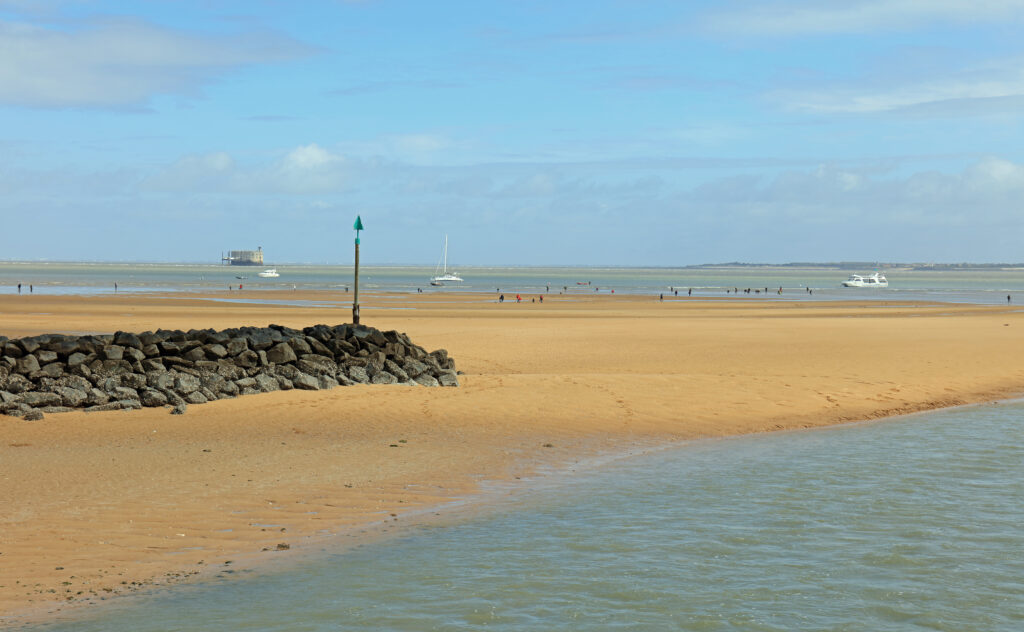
58, 373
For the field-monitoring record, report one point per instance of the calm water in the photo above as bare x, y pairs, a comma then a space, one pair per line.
910, 524
989, 286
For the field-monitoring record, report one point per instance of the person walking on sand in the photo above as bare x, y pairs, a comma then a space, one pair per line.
661, 297
519, 299
501, 299
1007, 299
19, 288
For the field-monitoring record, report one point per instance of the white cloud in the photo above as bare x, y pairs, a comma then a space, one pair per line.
118, 63
310, 156
804, 17
978, 87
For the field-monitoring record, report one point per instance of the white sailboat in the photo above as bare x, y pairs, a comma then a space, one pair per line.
441, 273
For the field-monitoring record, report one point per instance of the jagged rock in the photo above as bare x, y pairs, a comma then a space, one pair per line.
195, 355
52, 370
151, 398
186, 384
96, 397
133, 380
306, 382
195, 397
216, 351
318, 347
15, 409
150, 364
179, 409
72, 397
27, 364
391, 367
122, 393
261, 339
36, 399
300, 346
314, 364
425, 379
283, 353
76, 359
33, 415
236, 346
158, 380
448, 378
55, 409
326, 382
247, 359
45, 357
128, 339
17, 383
176, 362
266, 383
358, 375
29, 345
113, 352
104, 407
286, 370
383, 377
413, 367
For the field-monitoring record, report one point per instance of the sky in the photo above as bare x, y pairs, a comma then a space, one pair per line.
598, 132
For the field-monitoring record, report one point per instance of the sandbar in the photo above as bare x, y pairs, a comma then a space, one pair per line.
95, 505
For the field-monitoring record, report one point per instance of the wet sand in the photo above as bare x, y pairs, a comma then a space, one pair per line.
94, 505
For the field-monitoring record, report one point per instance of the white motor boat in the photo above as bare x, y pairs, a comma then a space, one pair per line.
871, 280
441, 273
269, 273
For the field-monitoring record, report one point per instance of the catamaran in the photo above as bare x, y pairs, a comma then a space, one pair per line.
441, 273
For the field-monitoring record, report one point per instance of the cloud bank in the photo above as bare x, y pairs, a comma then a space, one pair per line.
122, 62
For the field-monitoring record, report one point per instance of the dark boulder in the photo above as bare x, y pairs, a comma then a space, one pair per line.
282, 353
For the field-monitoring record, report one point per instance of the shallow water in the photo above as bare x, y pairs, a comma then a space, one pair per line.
913, 523
961, 286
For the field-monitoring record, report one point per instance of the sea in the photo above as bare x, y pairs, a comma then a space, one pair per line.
913, 523
983, 286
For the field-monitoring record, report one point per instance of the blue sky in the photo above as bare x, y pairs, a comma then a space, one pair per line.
640, 132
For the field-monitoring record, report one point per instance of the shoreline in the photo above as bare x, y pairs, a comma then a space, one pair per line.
534, 374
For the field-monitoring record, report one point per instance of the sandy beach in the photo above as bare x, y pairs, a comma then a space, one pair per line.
100, 504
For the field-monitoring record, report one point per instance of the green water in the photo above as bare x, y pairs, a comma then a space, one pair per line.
908, 524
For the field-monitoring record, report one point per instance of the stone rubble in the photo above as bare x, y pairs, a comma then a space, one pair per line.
57, 373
